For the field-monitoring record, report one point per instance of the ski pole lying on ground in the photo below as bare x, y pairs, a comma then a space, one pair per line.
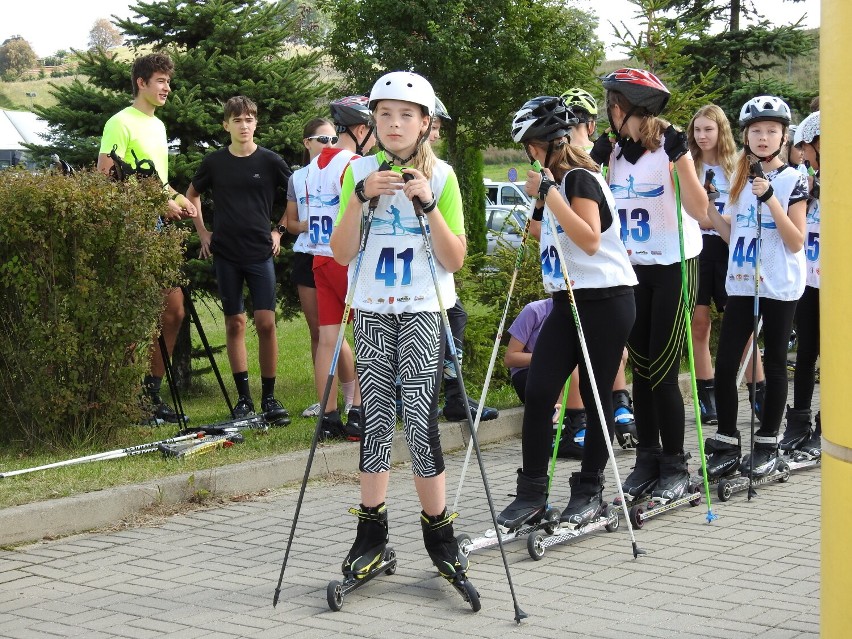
205, 445
111, 454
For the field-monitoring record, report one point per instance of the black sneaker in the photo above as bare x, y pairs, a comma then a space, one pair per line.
354, 429
454, 410
163, 413
332, 427
274, 412
244, 408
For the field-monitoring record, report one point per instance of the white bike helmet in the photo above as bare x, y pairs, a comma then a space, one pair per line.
406, 86
807, 130
765, 107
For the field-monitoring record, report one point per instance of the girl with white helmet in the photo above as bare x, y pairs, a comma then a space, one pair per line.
641, 179
783, 194
589, 235
398, 325
714, 153
800, 434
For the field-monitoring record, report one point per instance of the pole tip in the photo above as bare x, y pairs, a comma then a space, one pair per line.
519, 615
275, 598
637, 551
711, 516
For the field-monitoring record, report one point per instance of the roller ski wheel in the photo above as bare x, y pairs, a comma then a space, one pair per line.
337, 590
549, 523
537, 543
467, 592
643, 508
635, 514
730, 487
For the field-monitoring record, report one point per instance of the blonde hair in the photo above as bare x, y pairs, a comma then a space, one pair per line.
565, 157
726, 148
424, 158
651, 127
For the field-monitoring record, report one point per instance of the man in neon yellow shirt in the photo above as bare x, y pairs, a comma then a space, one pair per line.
139, 139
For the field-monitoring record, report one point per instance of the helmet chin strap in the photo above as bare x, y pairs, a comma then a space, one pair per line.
763, 159
359, 144
395, 159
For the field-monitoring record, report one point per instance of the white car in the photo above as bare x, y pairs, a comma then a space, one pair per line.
505, 193
504, 226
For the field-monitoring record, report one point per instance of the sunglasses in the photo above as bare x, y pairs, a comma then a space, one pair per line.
324, 139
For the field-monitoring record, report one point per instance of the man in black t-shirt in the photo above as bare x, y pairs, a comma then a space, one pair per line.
244, 178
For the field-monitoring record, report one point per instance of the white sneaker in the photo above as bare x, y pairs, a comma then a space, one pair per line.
312, 411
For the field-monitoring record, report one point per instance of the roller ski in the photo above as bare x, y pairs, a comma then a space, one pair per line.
451, 562
528, 513
801, 444
369, 555
251, 422
673, 488
585, 513
765, 466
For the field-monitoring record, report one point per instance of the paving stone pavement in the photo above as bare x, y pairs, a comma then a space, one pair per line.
753, 572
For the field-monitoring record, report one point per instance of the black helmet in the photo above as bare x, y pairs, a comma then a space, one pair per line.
350, 111
441, 110
542, 118
641, 88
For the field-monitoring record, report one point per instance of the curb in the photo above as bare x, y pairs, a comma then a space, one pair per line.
81, 513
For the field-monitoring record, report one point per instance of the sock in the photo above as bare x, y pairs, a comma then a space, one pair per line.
242, 382
348, 391
267, 385
152, 387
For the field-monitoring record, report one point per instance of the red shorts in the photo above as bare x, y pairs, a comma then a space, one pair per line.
331, 280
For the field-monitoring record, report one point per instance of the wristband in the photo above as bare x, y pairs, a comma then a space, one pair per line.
538, 213
765, 197
430, 206
544, 187
359, 192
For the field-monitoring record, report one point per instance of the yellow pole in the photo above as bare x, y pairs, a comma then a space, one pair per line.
835, 309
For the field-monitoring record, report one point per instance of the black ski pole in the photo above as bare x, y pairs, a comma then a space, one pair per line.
350, 295
195, 320
756, 171
418, 208
170, 378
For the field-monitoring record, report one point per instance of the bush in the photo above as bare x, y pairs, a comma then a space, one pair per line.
82, 264
483, 285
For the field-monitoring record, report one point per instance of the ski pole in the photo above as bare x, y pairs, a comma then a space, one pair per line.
519, 257
350, 295
687, 320
170, 378
757, 171
195, 320
747, 358
558, 437
418, 208
111, 454
551, 220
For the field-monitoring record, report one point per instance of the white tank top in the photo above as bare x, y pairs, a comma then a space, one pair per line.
782, 273
644, 196
812, 245
608, 267
395, 276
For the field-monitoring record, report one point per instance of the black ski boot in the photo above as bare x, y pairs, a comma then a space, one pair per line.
586, 503
707, 401
354, 428
454, 405
723, 455
529, 504
332, 427
765, 459
370, 541
813, 446
674, 478
798, 430
625, 423
645, 473
760, 393
442, 546
573, 436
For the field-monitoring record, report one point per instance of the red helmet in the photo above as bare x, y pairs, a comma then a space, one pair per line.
641, 88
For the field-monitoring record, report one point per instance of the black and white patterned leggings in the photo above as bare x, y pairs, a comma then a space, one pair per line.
409, 346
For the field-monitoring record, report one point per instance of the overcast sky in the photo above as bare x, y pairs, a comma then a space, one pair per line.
50, 25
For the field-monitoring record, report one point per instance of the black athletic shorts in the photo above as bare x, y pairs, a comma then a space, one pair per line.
712, 272
260, 278
302, 271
